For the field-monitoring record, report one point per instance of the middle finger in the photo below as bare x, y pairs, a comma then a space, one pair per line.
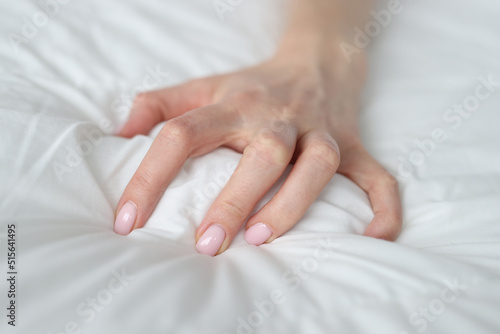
263, 162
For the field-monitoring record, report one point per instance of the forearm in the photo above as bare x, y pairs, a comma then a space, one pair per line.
317, 27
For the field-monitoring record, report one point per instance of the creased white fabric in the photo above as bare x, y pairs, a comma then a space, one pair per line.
67, 87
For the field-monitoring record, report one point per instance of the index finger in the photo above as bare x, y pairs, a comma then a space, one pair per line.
200, 129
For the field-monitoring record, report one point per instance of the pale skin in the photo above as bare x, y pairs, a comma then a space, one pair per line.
300, 107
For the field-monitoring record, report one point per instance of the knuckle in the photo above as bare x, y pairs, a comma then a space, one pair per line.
281, 123
143, 183
289, 214
177, 132
234, 207
144, 100
271, 148
387, 180
325, 153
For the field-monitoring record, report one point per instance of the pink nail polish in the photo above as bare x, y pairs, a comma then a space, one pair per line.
257, 234
118, 129
211, 240
126, 218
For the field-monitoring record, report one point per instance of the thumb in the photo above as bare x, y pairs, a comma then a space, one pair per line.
151, 108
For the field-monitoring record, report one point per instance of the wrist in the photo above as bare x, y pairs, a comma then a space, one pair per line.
317, 29
319, 53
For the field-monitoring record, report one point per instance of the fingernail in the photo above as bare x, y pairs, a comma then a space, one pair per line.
258, 234
211, 240
118, 129
126, 218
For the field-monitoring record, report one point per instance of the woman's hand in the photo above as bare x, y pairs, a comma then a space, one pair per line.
300, 107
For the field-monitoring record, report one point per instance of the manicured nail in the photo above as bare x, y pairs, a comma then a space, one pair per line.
126, 218
211, 240
118, 129
257, 234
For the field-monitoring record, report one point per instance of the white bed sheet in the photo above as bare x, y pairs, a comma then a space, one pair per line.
69, 85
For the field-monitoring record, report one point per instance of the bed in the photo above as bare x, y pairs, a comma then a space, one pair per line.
430, 115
